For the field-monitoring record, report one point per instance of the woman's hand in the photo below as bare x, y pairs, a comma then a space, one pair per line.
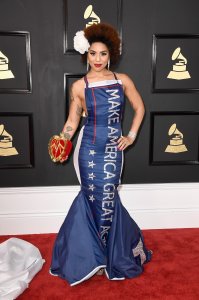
124, 142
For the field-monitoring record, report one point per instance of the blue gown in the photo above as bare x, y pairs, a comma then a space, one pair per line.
98, 232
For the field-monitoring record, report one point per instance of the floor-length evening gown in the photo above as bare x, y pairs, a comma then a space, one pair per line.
98, 232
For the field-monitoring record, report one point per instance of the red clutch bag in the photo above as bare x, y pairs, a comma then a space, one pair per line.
59, 148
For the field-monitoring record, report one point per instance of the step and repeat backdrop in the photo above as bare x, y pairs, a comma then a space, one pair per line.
159, 51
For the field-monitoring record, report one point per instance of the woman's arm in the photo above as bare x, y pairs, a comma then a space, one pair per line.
138, 107
75, 110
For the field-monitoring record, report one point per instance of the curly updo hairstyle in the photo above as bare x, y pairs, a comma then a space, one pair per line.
107, 35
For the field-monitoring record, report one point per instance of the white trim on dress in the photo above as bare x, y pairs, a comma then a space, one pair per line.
89, 275
104, 83
115, 278
76, 154
50, 272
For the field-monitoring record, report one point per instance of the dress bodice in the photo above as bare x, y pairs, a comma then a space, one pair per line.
104, 101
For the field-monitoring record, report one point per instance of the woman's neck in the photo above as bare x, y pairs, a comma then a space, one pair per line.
104, 74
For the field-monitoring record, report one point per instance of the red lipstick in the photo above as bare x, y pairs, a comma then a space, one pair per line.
97, 65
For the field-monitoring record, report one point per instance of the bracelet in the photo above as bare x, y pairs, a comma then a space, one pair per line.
132, 135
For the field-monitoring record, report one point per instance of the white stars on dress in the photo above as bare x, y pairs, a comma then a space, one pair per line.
92, 152
91, 164
91, 176
91, 187
91, 198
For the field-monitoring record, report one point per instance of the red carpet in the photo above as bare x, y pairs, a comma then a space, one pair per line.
172, 274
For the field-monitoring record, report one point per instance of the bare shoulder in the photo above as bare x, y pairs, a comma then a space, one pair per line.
126, 80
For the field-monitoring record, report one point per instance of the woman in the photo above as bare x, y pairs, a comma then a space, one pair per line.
98, 234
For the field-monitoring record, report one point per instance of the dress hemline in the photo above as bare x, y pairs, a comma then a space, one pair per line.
89, 275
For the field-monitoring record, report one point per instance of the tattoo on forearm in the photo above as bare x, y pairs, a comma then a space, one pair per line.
68, 128
67, 136
79, 110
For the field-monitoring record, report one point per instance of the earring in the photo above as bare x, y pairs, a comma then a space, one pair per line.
87, 66
108, 65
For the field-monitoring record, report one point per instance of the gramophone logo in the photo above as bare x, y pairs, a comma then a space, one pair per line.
179, 71
91, 16
176, 141
6, 147
5, 73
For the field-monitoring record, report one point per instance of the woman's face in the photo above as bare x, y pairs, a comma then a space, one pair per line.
98, 56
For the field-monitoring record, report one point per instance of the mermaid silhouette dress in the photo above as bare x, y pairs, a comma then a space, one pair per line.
98, 232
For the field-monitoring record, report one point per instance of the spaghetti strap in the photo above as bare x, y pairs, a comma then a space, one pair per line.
115, 76
86, 81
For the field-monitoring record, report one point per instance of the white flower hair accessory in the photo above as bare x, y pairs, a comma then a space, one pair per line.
81, 43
